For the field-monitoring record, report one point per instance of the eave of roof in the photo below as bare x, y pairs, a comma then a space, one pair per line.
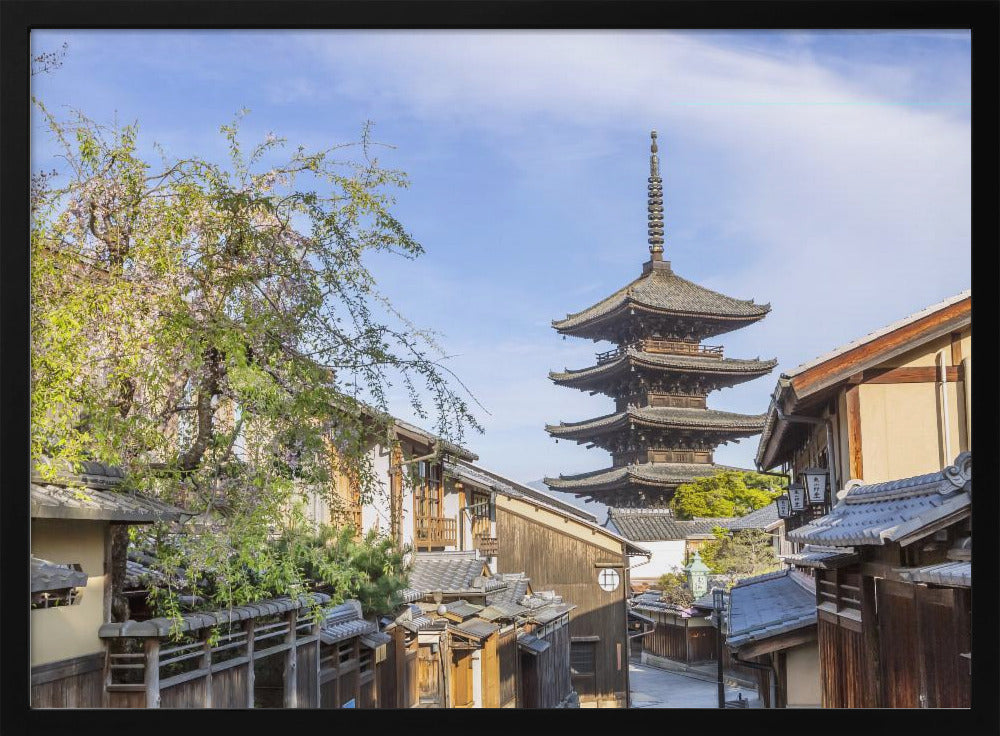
729, 367
650, 475
662, 291
49, 501
812, 381
662, 417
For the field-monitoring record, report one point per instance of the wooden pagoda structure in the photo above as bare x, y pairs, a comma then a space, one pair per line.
662, 432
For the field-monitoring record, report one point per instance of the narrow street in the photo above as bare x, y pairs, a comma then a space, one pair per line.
653, 687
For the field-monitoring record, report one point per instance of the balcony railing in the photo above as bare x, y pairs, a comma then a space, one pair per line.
669, 347
435, 531
487, 546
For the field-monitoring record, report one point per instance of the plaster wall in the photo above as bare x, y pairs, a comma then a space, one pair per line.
70, 631
802, 689
667, 555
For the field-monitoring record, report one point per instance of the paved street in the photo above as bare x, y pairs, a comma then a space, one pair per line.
653, 687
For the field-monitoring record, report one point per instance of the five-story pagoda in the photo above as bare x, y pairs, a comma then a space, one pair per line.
662, 432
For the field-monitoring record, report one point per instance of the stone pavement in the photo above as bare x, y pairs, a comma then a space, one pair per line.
653, 687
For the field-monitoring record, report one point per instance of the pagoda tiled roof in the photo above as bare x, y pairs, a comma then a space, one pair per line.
736, 367
647, 474
663, 291
667, 417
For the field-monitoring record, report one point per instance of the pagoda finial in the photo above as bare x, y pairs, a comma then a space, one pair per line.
655, 202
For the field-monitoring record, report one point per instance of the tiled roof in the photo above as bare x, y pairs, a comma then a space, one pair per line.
667, 417
766, 606
763, 518
822, 558
345, 622
550, 612
410, 595
476, 627
662, 290
486, 479
502, 610
375, 640
189, 622
895, 510
706, 601
955, 574
649, 525
648, 474
96, 501
451, 572
738, 368
444, 445
47, 575
517, 588
531, 644
463, 608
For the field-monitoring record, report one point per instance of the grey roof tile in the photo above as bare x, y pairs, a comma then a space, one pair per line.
822, 558
531, 644
476, 627
956, 574
672, 417
768, 605
50, 501
375, 640
762, 518
738, 368
649, 525
655, 474
879, 512
47, 576
450, 572
664, 291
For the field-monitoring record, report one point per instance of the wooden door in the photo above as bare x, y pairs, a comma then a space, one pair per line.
429, 677
944, 636
899, 645
583, 667
461, 678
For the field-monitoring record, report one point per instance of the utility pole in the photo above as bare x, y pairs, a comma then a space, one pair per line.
718, 602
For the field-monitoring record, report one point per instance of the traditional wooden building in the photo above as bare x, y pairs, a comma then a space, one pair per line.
670, 541
770, 627
892, 563
892, 404
72, 516
662, 432
681, 634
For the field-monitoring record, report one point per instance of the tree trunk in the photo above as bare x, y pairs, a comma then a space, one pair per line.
119, 554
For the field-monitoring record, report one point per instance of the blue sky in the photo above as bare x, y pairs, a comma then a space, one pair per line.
827, 173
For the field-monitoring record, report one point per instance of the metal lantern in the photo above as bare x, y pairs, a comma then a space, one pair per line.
784, 507
797, 495
815, 481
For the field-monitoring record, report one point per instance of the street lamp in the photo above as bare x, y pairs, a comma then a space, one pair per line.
797, 495
815, 482
784, 507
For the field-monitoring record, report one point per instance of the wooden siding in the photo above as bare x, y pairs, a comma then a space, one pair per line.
490, 669
568, 565
899, 649
507, 653
843, 670
673, 640
545, 678
72, 683
943, 615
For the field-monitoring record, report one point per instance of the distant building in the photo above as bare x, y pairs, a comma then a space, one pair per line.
662, 432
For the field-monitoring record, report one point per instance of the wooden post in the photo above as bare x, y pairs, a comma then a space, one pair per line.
250, 662
317, 626
399, 641
856, 466
206, 664
869, 634
444, 653
357, 677
291, 677
152, 679
106, 695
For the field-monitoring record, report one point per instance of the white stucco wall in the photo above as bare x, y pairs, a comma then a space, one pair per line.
665, 557
803, 676
70, 631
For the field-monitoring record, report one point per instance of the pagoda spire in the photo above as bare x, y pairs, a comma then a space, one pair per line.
655, 202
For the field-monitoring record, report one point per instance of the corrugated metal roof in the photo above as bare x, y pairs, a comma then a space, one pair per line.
885, 512
47, 575
952, 574
766, 606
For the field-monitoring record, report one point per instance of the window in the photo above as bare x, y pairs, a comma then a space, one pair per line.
608, 580
583, 666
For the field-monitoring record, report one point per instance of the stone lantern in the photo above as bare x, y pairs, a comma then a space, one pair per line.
697, 575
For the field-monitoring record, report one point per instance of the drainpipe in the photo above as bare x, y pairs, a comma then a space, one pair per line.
943, 378
772, 675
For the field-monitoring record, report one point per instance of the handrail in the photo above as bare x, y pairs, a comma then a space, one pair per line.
663, 347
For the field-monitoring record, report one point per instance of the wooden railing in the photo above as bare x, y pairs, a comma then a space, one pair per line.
487, 546
668, 347
435, 531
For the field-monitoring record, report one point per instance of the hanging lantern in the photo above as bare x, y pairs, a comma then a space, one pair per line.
815, 482
784, 507
797, 495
